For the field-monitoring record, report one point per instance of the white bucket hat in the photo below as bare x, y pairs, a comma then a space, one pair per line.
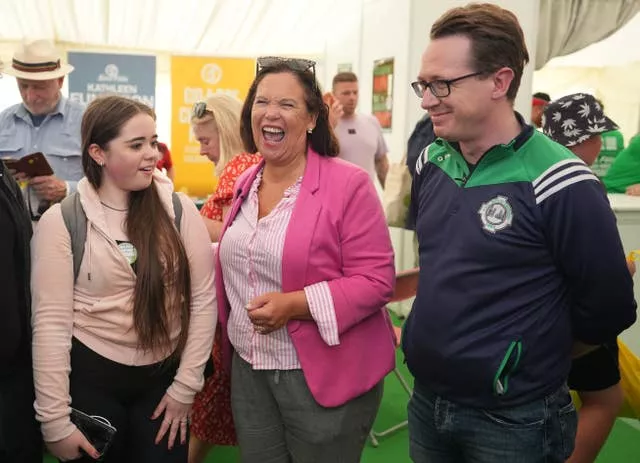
37, 60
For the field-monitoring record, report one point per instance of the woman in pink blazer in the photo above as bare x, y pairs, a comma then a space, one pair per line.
304, 270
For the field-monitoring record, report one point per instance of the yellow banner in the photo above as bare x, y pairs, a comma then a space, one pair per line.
193, 79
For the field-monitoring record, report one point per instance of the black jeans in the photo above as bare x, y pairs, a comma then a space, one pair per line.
126, 396
20, 438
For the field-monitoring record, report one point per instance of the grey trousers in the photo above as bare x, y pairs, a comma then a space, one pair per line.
278, 421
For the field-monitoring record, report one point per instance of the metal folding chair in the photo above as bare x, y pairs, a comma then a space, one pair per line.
405, 288
375, 435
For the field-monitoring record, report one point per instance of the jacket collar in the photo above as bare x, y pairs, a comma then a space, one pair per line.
95, 213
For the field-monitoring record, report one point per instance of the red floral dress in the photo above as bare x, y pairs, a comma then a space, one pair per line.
211, 419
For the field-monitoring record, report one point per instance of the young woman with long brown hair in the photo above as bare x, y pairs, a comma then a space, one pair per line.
129, 339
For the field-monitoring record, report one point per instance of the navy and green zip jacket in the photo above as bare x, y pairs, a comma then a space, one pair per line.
518, 257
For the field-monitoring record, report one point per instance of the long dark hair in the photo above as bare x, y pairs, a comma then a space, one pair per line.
322, 139
162, 292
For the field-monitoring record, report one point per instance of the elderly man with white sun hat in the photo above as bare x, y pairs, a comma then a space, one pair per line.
44, 121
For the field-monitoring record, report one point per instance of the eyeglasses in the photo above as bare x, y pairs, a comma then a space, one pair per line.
439, 88
199, 110
295, 64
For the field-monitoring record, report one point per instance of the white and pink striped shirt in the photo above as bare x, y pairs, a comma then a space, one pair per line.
251, 257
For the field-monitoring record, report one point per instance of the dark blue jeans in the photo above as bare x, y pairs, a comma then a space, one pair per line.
541, 431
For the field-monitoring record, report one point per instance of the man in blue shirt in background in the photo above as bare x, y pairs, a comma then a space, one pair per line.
44, 122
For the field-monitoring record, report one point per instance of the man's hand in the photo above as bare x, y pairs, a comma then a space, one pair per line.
398, 332
49, 188
580, 349
19, 177
335, 113
633, 190
382, 168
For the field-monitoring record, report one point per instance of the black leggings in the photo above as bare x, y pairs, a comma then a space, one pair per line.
126, 396
20, 438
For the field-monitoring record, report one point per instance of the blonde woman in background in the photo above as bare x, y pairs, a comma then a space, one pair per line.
216, 126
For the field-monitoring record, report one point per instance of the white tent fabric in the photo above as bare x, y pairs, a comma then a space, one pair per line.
566, 26
211, 27
303, 27
617, 86
608, 69
254, 27
619, 49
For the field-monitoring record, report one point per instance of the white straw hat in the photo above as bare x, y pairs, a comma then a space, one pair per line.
37, 60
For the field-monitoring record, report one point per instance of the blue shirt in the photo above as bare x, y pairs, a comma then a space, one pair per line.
57, 136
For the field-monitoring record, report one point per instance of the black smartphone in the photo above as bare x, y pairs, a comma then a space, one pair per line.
98, 430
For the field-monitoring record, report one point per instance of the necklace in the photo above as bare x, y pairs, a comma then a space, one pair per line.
113, 208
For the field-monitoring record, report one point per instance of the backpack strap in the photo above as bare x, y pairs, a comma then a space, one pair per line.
76, 222
177, 209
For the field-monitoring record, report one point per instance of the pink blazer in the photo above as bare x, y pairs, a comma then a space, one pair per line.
337, 233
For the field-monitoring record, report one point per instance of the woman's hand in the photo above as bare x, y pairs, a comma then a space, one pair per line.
69, 448
176, 417
271, 311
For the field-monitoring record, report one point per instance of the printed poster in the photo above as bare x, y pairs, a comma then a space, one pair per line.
382, 97
193, 79
96, 74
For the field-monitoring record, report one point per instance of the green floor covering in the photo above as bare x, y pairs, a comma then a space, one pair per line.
623, 445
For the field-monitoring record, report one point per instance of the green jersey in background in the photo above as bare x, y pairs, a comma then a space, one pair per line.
612, 144
625, 170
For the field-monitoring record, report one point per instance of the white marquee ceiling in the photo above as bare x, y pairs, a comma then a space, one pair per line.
220, 27
622, 47
228, 27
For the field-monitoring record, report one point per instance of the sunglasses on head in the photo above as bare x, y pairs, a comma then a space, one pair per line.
200, 109
295, 64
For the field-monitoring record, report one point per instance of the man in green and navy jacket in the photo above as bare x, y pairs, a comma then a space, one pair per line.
519, 256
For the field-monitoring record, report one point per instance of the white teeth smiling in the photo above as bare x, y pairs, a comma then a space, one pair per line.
273, 133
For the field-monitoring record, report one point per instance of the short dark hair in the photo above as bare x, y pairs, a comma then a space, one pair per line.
496, 38
542, 96
322, 139
346, 76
